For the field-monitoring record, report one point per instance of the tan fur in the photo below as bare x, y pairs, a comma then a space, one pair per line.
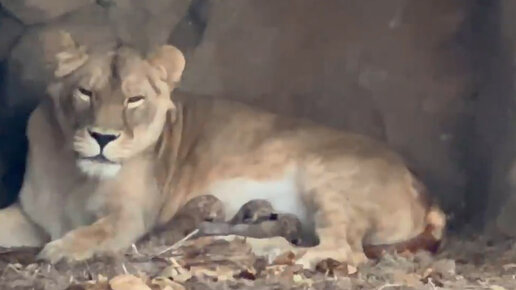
346, 188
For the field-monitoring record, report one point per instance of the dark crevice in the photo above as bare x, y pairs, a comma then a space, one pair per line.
488, 123
189, 32
10, 15
13, 147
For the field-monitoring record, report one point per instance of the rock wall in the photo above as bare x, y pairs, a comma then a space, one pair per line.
403, 71
496, 143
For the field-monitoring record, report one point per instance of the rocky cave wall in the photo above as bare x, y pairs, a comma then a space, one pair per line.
433, 78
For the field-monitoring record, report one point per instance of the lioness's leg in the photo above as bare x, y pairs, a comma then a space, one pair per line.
16, 230
375, 200
339, 232
339, 238
109, 234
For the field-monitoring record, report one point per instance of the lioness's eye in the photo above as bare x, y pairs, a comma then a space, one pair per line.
84, 94
133, 102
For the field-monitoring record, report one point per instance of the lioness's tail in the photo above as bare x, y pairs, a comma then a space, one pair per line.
430, 239
432, 236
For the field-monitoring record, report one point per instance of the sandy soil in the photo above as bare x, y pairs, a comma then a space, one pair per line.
468, 262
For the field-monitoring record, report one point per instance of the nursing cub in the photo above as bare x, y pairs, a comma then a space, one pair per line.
114, 153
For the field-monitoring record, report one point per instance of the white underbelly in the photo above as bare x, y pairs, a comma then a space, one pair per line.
282, 193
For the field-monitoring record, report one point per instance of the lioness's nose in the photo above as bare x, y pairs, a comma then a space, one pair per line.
102, 139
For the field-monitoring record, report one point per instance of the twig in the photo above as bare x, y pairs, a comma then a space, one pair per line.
431, 283
125, 269
180, 242
135, 249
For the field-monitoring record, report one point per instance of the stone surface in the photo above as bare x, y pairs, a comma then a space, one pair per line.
497, 118
141, 25
38, 11
29, 65
189, 32
146, 23
392, 70
10, 30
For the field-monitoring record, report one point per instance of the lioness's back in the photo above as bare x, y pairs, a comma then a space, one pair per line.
239, 126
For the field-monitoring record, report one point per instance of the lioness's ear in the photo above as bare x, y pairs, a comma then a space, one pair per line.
170, 61
70, 57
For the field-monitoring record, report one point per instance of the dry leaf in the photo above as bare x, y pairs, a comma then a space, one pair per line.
300, 279
128, 282
98, 286
202, 242
286, 258
221, 273
407, 279
90, 285
269, 247
274, 270
446, 267
406, 254
335, 268
496, 287
432, 277
166, 284
249, 274
177, 273
351, 269
508, 267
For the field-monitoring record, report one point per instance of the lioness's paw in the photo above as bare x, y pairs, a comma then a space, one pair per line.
309, 260
313, 256
358, 258
61, 249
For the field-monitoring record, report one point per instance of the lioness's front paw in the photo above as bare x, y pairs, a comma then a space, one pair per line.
309, 260
313, 256
61, 249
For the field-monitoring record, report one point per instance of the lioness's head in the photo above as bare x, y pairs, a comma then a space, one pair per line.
112, 104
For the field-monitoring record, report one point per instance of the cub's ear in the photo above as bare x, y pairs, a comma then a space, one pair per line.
70, 57
170, 61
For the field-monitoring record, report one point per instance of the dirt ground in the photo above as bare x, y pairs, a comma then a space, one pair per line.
468, 262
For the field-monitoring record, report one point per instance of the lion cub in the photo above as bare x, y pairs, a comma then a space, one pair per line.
255, 219
254, 211
204, 208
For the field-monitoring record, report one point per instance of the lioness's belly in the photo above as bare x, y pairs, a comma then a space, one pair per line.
282, 193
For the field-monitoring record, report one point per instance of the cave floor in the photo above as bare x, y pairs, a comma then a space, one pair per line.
472, 262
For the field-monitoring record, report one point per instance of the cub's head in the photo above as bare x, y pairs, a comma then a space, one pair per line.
112, 104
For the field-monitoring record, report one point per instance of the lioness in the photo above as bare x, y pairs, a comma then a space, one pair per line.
113, 155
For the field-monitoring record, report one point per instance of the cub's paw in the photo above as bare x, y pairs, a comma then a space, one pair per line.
61, 249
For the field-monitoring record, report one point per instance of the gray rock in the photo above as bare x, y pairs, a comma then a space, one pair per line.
29, 65
38, 11
10, 30
445, 267
495, 138
505, 221
145, 24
